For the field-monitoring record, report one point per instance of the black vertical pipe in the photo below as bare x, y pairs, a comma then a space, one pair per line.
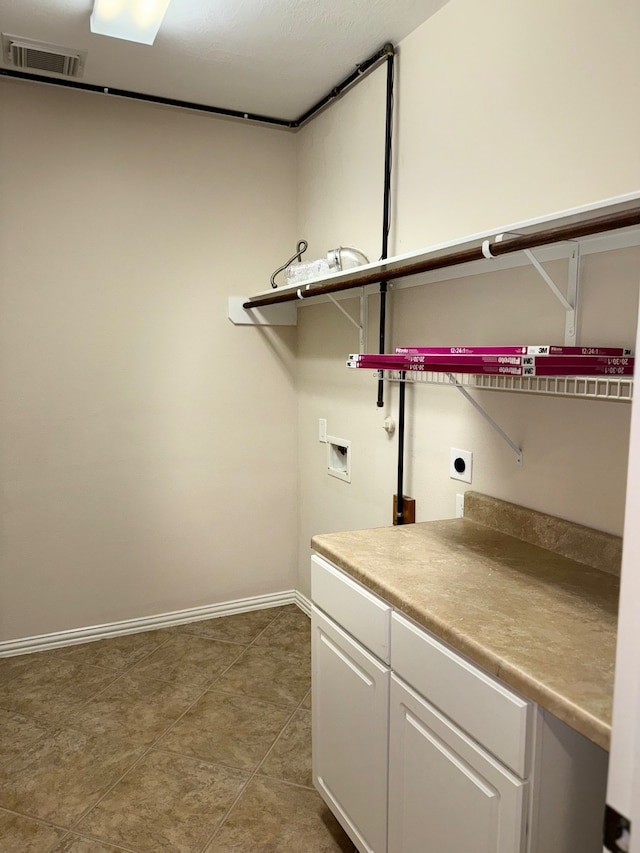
386, 207
401, 408
386, 224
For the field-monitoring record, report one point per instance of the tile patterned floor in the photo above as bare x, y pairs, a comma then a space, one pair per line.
193, 739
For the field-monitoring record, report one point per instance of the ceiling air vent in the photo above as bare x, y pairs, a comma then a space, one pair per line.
28, 55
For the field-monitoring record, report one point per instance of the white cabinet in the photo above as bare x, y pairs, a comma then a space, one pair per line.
350, 730
417, 750
446, 794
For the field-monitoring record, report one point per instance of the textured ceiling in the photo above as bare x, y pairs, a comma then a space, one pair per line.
272, 57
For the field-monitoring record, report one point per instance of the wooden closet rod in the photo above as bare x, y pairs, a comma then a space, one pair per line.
510, 244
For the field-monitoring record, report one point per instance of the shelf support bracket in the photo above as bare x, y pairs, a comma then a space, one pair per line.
517, 450
573, 295
569, 302
361, 325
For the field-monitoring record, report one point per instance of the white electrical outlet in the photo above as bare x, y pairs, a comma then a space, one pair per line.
322, 429
459, 506
460, 464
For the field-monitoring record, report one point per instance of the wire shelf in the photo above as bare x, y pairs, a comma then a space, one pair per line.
616, 389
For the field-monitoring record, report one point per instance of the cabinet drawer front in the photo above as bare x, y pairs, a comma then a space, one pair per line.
361, 613
486, 709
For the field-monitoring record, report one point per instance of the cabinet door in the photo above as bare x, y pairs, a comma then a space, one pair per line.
350, 732
446, 794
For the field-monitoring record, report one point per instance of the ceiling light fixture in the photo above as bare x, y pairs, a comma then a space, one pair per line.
132, 20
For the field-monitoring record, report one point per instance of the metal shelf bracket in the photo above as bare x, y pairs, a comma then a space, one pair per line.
361, 324
569, 302
517, 450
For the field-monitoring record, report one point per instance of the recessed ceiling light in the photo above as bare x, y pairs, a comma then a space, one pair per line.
132, 20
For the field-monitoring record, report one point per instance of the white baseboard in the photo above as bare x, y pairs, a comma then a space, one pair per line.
303, 602
150, 623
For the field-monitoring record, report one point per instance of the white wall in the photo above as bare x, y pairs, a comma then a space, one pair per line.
511, 110
504, 111
147, 446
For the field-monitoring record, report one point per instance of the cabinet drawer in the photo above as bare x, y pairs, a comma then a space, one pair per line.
487, 710
361, 613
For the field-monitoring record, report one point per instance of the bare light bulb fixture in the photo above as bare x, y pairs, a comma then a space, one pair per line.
132, 20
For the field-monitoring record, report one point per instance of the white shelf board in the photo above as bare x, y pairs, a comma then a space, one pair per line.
269, 315
603, 241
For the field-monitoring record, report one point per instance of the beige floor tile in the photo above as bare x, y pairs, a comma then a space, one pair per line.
12, 667
135, 708
166, 803
49, 688
78, 844
115, 652
17, 733
74, 721
290, 758
268, 674
21, 835
227, 729
63, 774
292, 620
185, 659
290, 632
274, 817
240, 628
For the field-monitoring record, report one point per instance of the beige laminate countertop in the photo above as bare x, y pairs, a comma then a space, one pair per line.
543, 623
